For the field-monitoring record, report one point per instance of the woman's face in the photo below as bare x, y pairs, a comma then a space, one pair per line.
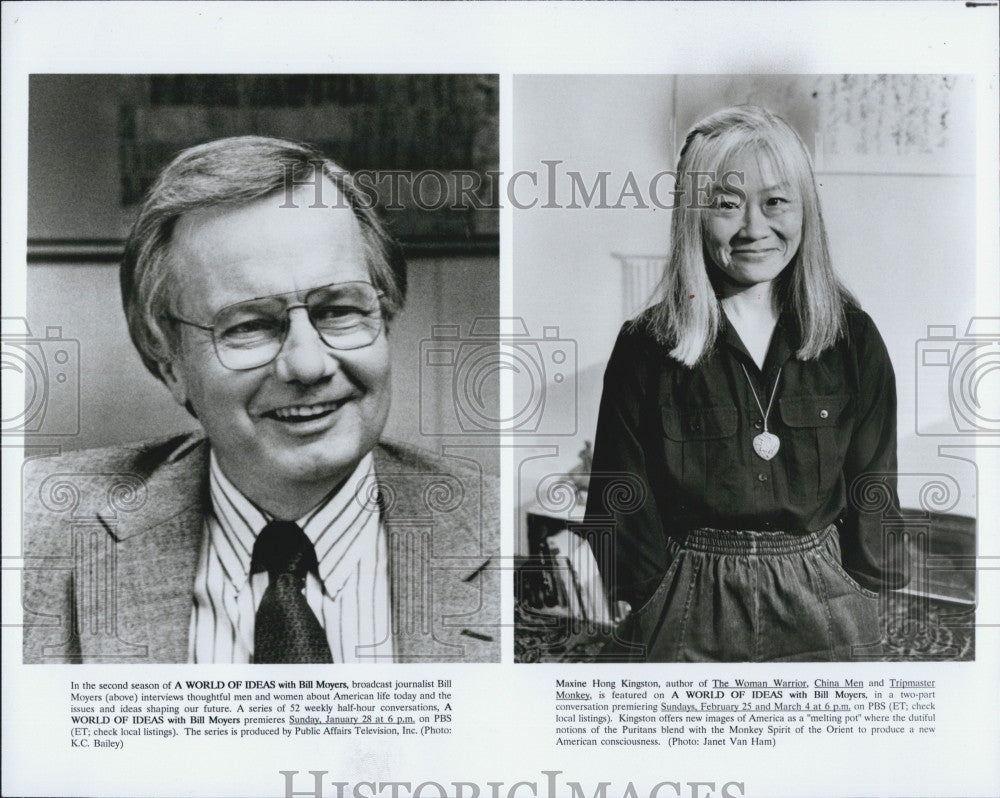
751, 239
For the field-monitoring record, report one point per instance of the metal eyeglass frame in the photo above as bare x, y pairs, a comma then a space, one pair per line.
285, 322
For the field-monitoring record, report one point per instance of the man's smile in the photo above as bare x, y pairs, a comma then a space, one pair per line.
301, 413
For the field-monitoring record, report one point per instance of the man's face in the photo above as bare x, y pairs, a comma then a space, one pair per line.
298, 425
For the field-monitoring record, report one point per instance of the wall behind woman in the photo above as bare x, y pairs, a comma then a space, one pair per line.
899, 210
564, 274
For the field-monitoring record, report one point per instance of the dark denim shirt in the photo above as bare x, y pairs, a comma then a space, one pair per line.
674, 448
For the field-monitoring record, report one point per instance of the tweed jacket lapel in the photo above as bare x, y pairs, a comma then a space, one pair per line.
155, 557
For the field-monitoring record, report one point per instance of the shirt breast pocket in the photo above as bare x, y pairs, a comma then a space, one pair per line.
696, 439
810, 444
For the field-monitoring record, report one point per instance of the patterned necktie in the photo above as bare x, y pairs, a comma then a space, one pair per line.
285, 629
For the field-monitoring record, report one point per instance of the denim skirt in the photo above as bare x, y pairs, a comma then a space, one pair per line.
749, 596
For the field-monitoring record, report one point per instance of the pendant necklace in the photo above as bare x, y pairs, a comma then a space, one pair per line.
766, 444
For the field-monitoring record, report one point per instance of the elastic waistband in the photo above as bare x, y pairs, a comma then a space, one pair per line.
748, 541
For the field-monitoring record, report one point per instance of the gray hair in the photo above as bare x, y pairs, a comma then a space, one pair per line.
233, 171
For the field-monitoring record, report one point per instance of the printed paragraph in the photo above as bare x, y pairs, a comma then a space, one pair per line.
736, 712
107, 715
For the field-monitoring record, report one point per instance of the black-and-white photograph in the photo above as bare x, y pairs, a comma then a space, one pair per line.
744, 269
247, 301
500, 400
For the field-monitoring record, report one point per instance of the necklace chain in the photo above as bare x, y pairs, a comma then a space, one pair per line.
770, 402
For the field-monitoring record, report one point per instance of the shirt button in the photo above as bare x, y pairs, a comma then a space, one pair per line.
758, 424
762, 477
823, 414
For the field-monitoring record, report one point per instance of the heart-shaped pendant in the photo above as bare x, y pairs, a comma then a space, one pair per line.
766, 445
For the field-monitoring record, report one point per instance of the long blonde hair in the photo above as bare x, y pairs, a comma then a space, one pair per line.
687, 316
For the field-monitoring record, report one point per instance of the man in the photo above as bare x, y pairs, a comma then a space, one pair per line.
260, 288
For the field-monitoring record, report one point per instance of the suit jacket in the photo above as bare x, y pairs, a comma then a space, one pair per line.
112, 538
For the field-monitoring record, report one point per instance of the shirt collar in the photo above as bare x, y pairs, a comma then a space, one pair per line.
784, 341
333, 526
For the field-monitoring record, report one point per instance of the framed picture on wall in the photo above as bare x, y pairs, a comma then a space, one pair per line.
863, 124
423, 147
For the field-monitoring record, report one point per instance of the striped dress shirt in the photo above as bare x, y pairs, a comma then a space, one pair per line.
350, 598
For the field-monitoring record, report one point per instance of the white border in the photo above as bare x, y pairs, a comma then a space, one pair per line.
505, 731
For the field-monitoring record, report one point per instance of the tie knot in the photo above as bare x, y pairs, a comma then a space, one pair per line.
283, 548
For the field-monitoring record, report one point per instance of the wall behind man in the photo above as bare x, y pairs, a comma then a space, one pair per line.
902, 232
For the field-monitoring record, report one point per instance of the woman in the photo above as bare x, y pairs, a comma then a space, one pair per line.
741, 414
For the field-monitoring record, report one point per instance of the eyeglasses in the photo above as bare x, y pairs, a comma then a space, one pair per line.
250, 334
